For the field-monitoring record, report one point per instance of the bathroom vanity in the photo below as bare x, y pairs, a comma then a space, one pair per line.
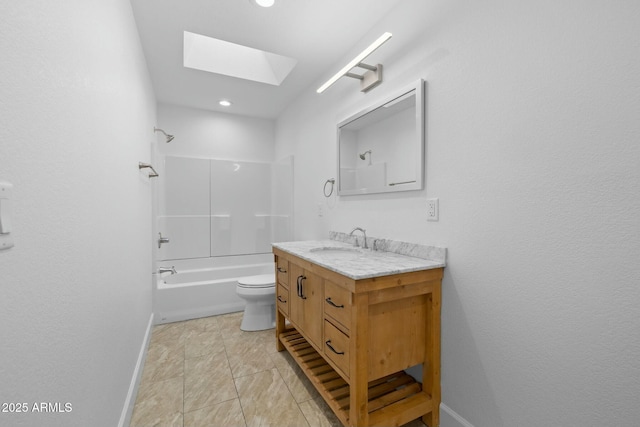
355, 319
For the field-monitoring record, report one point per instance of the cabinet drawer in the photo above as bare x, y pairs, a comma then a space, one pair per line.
282, 299
282, 270
337, 303
336, 346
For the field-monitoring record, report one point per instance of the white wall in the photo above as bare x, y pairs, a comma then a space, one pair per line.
532, 149
209, 134
76, 116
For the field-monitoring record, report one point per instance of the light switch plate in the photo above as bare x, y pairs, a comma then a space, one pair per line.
6, 239
5, 216
5, 208
5, 190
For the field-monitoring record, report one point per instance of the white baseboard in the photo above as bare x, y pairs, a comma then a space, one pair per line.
127, 411
450, 418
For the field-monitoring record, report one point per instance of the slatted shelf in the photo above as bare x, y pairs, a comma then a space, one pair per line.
394, 397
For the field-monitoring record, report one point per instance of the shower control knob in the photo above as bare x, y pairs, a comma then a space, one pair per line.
162, 240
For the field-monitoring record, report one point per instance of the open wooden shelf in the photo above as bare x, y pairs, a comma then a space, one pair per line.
396, 397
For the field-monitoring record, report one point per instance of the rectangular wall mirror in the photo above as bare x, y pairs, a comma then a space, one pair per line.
381, 148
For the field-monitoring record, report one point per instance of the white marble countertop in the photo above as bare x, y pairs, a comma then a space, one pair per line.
358, 263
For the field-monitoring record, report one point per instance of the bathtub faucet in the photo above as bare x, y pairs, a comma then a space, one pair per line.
364, 233
171, 270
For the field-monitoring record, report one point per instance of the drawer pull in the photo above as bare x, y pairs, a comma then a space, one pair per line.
281, 270
328, 300
328, 343
281, 300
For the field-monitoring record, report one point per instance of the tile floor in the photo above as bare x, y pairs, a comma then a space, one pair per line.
207, 372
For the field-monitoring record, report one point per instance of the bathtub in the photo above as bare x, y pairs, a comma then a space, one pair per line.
204, 287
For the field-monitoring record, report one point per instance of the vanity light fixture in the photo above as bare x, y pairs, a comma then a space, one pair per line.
225, 103
371, 78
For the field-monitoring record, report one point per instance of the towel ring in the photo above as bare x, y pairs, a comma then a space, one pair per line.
331, 181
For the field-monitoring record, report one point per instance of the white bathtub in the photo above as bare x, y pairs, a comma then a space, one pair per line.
204, 287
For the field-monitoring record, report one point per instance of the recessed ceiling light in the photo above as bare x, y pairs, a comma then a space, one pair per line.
264, 3
224, 103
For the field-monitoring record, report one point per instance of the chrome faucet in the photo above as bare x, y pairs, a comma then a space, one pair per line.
364, 233
171, 270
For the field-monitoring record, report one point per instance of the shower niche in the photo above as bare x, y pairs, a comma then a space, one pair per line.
381, 148
220, 208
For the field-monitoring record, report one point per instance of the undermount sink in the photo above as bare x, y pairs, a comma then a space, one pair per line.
339, 253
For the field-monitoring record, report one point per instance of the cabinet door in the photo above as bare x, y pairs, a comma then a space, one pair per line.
311, 289
295, 302
306, 303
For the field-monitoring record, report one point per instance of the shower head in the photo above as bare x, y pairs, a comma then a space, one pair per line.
363, 155
169, 137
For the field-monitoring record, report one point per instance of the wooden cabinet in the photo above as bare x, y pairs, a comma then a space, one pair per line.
306, 303
354, 339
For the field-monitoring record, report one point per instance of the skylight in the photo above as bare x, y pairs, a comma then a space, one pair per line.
230, 59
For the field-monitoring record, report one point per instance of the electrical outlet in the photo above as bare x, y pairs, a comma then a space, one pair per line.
432, 209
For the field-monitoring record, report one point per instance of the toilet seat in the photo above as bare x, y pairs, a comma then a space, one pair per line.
259, 281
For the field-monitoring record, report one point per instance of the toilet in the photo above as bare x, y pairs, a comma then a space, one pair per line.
259, 292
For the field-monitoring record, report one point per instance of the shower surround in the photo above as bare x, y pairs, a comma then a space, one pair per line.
220, 217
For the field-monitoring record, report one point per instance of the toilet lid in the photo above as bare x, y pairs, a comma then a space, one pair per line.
259, 281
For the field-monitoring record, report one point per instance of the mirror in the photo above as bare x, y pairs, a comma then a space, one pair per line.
381, 149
